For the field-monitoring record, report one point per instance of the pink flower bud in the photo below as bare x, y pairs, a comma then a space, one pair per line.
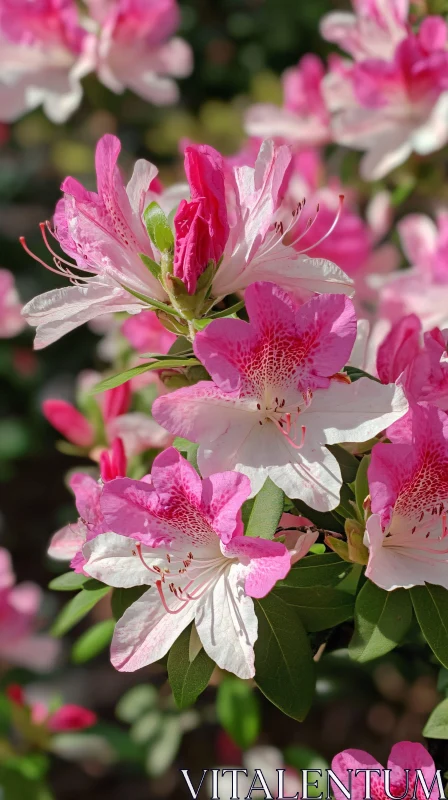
116, 401
69, 422
71, 718
113, 462
201, 225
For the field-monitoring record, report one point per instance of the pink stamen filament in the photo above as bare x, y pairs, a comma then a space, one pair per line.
286, 433
331, 229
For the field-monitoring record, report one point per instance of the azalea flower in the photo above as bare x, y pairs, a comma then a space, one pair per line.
137, 430
303, 120
42, 58
20, 642
275, 400
373, 31
422, 289
421, 363
105, 234
135, 50
404, 759
393, 107
184, 536
66, 718
408, 480
11, 320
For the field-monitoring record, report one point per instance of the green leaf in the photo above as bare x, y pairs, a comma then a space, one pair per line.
328, 521
431, 609
78, 607
228, 312
266, 511
326, 569
188, 449
136, 702
153, 267
319, 607
362, 485
93, 641
437, 725
348, 463
355, 374
381, 621
238, 711
151, 301
158, 228
68, 582
123, 598
285, 670
162, 749
188, 679
123, 377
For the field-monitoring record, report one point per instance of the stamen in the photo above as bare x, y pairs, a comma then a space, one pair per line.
138, 547
331, 229
164, 603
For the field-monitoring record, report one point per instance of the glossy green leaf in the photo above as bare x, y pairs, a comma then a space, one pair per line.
188, 449
93, 641
437, 725
382, 620
123, 598
328, 521
228, 312
285, 670
325, 569
68, 582
78, 607
266, 511
431, 609
238, 711
123, 377
319, 607
355, 374
158, 228
348, 463
188, 679
153, 267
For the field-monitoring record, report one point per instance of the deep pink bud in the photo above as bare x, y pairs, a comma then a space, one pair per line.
116, 401
71, 718
15, 694
69, 422
400, 346
201, 225
113, 463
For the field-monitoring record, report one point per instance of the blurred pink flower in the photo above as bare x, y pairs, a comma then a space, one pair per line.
20, 642
422, 289
138, 431
66, 718
135, 49
393, 107
407, 533
41, 58
146, 333
373, 31
185, 535
303, 120
404, 760
11, 320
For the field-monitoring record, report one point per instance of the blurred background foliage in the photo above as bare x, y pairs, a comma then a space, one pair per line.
240, 49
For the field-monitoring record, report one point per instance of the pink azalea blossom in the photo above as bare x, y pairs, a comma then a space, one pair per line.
303, 120
404, 760
138, 431
146, 333
42, 58
421, 364
20, 642
105, 234
11, 320
373, 31
393, 107
275, 400
69, 717
184, 536
422, 289
408, 479
135, 48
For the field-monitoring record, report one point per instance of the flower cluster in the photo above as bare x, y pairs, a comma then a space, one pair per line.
48, 46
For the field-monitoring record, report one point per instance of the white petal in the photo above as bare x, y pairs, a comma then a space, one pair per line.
146, 632
114, 560
227, 625
353, 412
